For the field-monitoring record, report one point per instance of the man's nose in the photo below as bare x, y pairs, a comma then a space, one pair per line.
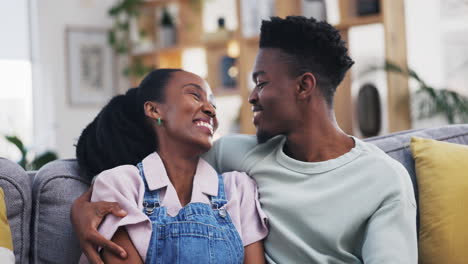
253, 97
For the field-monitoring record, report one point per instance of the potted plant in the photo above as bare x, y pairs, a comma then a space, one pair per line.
432, 101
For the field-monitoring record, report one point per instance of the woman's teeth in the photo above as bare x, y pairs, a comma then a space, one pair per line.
204, 124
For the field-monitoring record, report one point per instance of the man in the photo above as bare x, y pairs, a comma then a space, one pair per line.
330, 198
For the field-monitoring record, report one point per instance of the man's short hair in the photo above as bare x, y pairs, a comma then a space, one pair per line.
310, 46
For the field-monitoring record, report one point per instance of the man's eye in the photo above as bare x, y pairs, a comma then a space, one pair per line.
261, 85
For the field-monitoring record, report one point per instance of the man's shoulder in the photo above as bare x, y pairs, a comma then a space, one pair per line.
391, 173
375, 154
230, 152
237, 141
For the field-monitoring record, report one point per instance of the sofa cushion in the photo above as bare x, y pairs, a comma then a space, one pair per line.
441, 169
397, 145
17, 188
55, 187
7, 254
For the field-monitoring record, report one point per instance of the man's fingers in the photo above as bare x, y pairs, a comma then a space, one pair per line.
117, 211
97, 239
92, 255
104, 208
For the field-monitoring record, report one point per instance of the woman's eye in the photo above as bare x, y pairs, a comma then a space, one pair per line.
196, 96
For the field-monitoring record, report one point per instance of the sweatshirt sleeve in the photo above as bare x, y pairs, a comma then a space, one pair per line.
391, 234
229, 152
124, 185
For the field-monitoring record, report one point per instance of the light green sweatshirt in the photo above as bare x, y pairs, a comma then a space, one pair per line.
357, 208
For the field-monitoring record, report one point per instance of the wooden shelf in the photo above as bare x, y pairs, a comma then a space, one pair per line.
190, 35
158, 3
162, 51
252, 40
359, 21
220, 91
217, 43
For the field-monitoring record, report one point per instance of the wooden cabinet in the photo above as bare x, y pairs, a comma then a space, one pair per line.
190, 34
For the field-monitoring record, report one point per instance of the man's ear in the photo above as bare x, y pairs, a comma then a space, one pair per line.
152, 110
306, 86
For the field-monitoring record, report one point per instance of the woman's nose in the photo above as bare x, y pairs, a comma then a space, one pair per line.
209, 110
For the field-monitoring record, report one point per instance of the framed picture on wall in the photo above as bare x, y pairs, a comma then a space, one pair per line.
90, 66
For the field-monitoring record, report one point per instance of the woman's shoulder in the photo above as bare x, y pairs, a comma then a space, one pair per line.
124, 179
238, 179
244, 206
119, 173
239, 186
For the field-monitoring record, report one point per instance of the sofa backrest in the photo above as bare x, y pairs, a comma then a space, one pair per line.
55, 187
17, 188
397, 146
59, 183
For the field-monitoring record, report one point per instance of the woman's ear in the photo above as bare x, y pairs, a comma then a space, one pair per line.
152, 110
306, 85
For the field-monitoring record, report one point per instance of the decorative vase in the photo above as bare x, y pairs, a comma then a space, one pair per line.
228, 74
167, 31
368, 7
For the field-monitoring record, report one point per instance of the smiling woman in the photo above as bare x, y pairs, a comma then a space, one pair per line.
146, 146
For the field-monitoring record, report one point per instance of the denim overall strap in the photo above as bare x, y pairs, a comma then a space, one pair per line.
220, 200
199, 233
151, 198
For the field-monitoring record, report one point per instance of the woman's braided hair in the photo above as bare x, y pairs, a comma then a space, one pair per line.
121, 134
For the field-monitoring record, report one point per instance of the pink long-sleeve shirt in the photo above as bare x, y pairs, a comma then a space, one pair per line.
124, 185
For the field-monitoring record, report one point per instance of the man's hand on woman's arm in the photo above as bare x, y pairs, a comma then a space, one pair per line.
86, 217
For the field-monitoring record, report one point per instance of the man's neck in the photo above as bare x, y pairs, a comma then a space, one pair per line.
318, 142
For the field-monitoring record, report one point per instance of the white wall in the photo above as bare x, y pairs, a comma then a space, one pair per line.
426, 53
15, 76
14, 30
57, 124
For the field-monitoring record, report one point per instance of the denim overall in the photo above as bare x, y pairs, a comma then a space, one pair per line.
200, 233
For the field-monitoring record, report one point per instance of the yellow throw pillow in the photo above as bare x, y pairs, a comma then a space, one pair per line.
442, 173
5, 233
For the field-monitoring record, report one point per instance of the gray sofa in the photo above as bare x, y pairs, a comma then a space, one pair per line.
38, 210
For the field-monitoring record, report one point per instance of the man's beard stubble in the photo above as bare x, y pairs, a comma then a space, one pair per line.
263, 136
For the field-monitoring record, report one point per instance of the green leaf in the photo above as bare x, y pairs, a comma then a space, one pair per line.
126, 71
115, 10
451, 104
42, 159
18, 143
125, 26
111, 37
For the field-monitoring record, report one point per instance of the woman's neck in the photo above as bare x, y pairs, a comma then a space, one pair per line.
181, 169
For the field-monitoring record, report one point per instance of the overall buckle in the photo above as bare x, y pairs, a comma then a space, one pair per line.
150, 210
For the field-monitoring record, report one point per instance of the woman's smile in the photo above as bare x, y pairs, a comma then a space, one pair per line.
205, 124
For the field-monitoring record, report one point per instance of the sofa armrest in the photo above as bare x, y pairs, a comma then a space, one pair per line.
55, 187
17, 188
